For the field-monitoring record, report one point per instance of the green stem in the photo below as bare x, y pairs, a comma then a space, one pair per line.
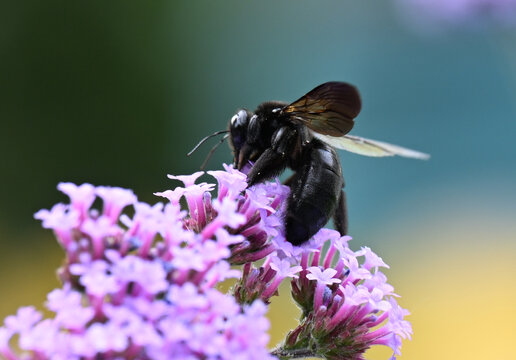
285, 354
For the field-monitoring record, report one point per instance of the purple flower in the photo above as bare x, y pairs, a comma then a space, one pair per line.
284, 268
227, 213
106, 337
24, 319
145, 286
115, 199
188, 180
98, 230
324, 277
248, 331
150, 276
5, 349
342, 305
67, 304
371, 259
172, 195
96, 277
42, 338
62, 219
81, 197
230, 182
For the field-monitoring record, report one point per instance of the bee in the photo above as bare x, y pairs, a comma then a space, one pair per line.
303, 136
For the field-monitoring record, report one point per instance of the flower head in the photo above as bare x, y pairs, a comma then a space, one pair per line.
145, 286
345, 310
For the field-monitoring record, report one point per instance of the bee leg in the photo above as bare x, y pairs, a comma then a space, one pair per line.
340, 218
268, 165
273, 160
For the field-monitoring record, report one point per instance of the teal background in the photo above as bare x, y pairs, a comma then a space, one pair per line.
116, 93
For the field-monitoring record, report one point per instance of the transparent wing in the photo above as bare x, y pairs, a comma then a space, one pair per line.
368, 147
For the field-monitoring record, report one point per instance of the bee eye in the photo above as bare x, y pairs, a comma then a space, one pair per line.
234, 119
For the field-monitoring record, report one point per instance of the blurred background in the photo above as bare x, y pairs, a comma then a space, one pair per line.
116, 93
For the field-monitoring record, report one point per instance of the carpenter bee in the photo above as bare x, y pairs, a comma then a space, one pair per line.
303, 136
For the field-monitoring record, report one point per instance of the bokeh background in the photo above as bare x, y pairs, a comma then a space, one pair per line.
116, 93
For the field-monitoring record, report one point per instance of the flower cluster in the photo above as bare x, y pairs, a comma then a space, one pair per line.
145, 286
347, 304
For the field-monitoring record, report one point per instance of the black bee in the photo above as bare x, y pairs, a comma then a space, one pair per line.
303, 136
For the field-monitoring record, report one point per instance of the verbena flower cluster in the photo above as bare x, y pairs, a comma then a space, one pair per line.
145, 286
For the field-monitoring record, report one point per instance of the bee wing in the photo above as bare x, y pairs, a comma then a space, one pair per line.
368, 147
329, 109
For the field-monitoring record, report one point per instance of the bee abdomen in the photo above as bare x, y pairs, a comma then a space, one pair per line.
314, 193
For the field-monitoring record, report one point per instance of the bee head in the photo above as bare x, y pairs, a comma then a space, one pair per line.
238, 125
238, 128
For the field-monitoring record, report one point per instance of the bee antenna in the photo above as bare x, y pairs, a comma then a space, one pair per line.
206, 138
208, 157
